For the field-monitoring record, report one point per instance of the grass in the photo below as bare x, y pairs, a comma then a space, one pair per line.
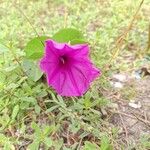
33, 116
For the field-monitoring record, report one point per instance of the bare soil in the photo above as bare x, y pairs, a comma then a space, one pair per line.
133, 122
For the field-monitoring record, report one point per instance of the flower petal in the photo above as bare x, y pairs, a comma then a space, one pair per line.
74, 82
55, 45
72, 78
50, 52
81, 50
64, 48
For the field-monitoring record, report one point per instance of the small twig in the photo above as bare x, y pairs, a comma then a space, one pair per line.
146, 122
124, 126
67, 136
133, 117
145, 115
79, 145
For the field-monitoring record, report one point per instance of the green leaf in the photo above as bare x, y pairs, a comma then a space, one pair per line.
48, 129
34, 145
61, 101
90, 146
32, 70
29, 100
105, 143
48, 142
37, 129
8, 146
78, 41
37, 109
65, 148
3, 48
2, 77
15, 112
41, 93
58, 144
67, 35
3, 138
35, 48
52, 108
87, 103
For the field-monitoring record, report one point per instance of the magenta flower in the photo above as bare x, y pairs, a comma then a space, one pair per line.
68, 68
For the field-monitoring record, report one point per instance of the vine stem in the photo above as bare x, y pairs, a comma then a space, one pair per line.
148, 45
21, 12
120, 40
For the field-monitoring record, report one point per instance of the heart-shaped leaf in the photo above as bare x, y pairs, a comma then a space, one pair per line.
35, 48
32, 70
78, 41
67, 35
3, 48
